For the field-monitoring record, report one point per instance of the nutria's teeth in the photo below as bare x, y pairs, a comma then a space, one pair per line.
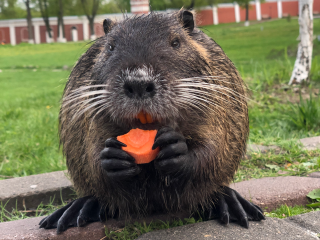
144, 117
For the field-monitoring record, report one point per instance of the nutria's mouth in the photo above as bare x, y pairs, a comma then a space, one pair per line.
144, 117
145, 121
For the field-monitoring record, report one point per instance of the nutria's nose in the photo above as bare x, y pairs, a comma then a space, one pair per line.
139, 89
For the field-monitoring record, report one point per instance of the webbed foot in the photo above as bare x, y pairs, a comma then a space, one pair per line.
76, 213
233, 207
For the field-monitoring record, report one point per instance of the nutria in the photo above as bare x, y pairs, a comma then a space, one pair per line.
161, 65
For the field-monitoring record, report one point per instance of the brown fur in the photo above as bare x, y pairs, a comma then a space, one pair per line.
216, 138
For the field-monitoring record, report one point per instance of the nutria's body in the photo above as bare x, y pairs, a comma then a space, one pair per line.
193, 92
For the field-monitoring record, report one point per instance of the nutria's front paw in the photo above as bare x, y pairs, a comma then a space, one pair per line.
118, 164
76, 213
173, 157
232, 206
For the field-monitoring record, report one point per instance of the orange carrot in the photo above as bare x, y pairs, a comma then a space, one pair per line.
139, 145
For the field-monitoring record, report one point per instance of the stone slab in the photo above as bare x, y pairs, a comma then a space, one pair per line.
271, 192
309, 221
28, 192
28, 229
312, 143
270, 229
314, 175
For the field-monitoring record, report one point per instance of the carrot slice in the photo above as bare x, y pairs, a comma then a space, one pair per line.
139, 144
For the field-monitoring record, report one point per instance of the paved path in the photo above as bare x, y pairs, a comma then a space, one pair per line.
28, 192
270, 229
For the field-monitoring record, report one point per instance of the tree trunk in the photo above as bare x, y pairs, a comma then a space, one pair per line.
91, 24
94, 9
61, 32
29, 22
45, 17
247, 11
302, 65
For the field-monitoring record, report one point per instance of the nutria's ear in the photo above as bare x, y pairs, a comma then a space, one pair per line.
187, 20
107, 25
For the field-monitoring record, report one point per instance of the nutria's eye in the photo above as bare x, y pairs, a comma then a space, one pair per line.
175, 43
110, 48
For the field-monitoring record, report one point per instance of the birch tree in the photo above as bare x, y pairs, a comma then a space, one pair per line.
302, 64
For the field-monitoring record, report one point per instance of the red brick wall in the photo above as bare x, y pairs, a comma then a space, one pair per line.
204, 17
98, 29
42, 34
22, 34
291, 8
226, 15
67, 29
5, 35
270, 9
316, 6
43, 31
252, 13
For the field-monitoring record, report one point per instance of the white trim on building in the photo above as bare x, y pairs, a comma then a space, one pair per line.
279, 6
258, 10
12, 35
237, 12
215, 15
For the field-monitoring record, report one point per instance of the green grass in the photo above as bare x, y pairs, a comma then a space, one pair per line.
32, 78
15, 214
285, 211
132, 231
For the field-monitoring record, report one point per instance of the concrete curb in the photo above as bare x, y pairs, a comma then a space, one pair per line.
28, 192
270, 229
271, 192
28, 229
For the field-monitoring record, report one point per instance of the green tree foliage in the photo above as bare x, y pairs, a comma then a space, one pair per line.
10, 9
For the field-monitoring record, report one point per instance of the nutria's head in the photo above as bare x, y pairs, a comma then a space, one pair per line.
144, 68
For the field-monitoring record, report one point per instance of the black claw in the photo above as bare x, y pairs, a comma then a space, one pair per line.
109, 153
61, 228
231, 206
113, 142
102, 215
116, 164
124, 174
225, 218
81, 222
244, 222
261, 216
163, 130
223, 210
51, 220
168, 137
172, 150
75, 213
257, 207
40, 223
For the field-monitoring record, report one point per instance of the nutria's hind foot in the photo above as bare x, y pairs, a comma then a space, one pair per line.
233, 207
76, 213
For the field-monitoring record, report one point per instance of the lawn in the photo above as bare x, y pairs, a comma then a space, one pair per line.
32, 78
